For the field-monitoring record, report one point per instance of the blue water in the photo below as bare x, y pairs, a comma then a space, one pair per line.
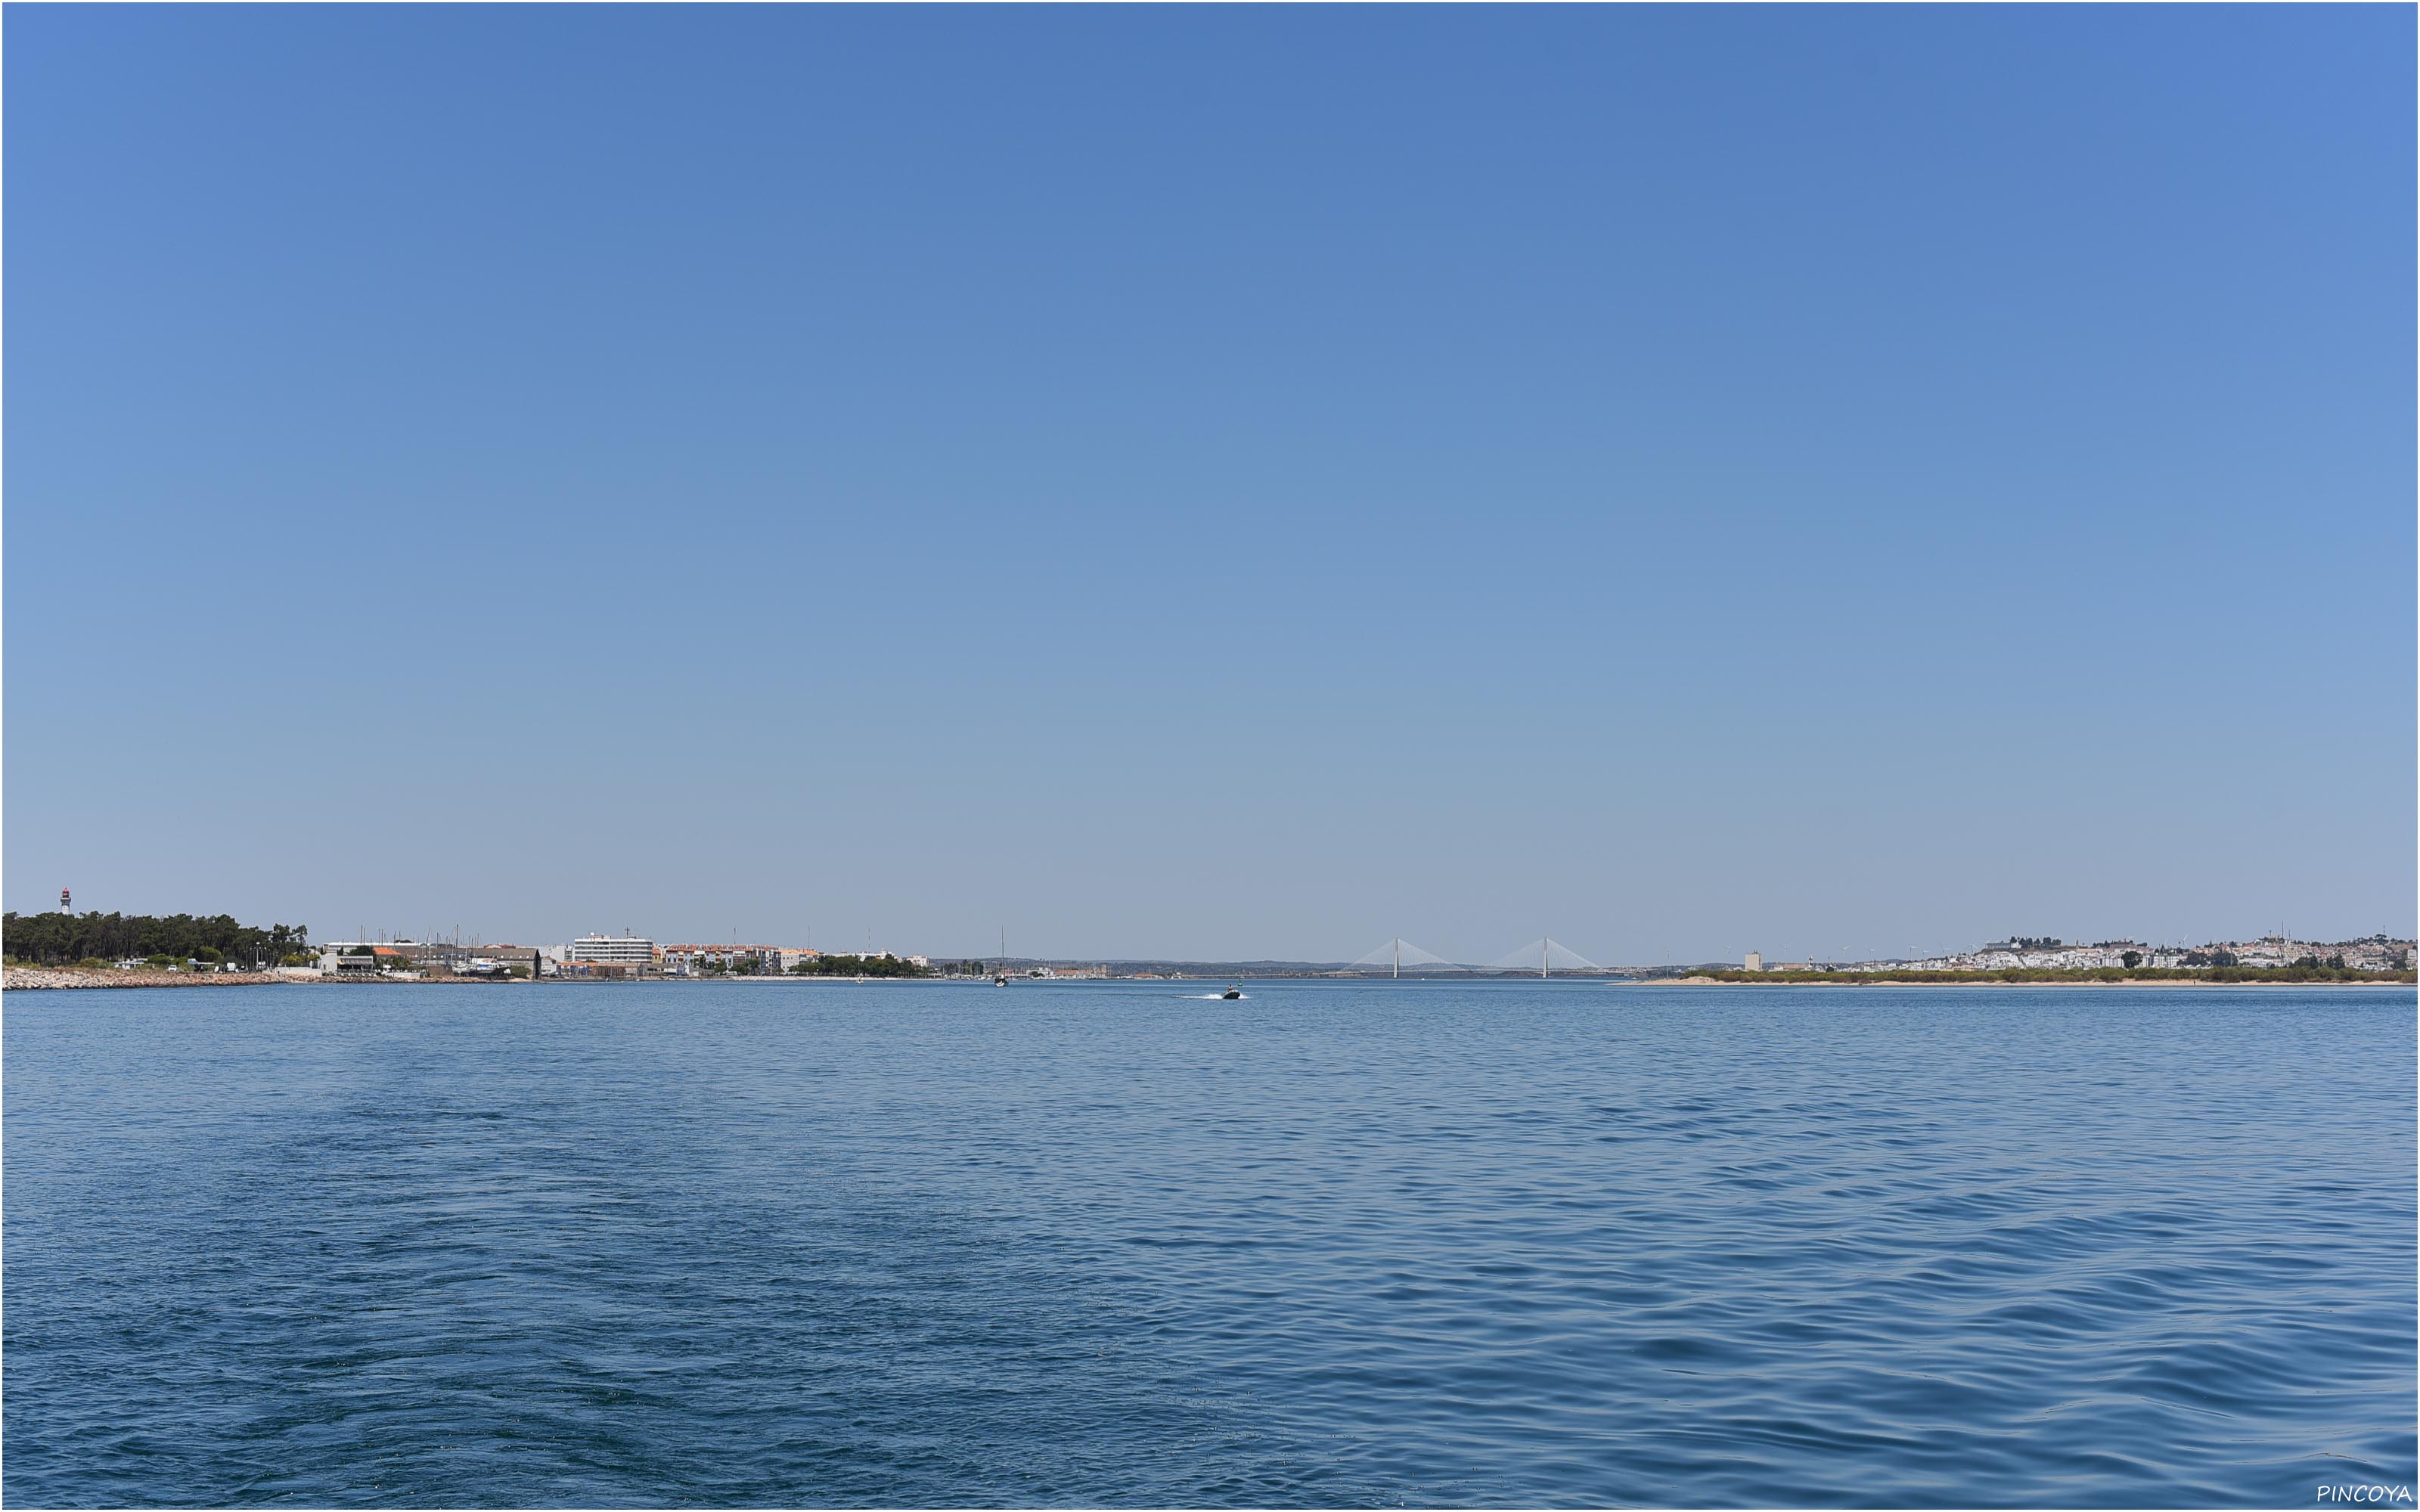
1498, 1243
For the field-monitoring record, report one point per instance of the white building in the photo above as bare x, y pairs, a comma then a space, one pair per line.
614, 949
692, 960
1755, 961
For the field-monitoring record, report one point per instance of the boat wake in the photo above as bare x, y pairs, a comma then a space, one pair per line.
1217, 997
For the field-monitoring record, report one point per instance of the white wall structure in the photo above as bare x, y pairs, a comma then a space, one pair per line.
618, 950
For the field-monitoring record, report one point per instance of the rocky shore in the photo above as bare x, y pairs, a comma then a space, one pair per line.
21, 979
26, 979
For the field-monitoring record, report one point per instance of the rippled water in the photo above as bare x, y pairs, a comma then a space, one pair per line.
909, 1244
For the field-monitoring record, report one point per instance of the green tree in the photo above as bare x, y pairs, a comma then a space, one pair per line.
62, 937
858, 965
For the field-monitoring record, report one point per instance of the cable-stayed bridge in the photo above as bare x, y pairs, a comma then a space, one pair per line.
1543, 955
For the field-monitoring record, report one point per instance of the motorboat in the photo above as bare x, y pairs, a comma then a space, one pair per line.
1232, 993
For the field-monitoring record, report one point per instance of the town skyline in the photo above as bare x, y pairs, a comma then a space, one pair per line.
2378, 950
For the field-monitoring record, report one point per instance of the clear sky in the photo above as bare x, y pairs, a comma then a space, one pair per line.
1220, 482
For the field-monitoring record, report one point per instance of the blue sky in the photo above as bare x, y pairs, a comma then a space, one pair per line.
1221, 482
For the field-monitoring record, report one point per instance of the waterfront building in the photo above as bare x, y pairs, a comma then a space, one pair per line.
1755, 961
691, 960
363, 958
598, 970
614, 949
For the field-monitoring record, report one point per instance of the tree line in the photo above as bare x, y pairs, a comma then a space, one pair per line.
858, 965
56, 938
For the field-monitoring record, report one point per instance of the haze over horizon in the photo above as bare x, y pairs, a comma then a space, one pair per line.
1215, 484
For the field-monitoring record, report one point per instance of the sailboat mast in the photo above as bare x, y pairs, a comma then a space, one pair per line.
1399, 957
1543, 946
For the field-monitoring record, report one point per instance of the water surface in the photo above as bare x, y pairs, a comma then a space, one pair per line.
1520, 1243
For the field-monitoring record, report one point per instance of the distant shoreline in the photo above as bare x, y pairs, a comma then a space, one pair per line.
2383, 979
72, 979
69, 979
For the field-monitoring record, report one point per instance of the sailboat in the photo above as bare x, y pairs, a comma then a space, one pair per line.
1000, 969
